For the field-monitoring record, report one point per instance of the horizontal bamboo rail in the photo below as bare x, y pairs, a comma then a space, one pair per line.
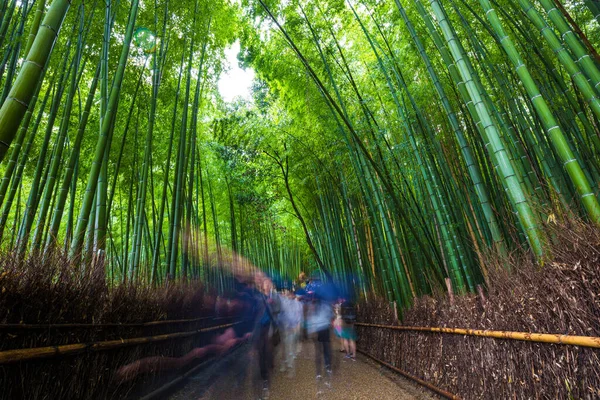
108, 325
18, 355
428, 385
584, 341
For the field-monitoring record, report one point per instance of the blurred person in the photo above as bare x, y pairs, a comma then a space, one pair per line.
319, 320
302, 280
220, 344
291, 320
301, 298
337, 324
264, 327
282, 325
348, 311
244, 307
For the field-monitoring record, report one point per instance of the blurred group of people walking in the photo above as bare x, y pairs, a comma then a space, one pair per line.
307, 314
270, 321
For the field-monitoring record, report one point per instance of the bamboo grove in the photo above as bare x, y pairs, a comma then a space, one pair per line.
389, 144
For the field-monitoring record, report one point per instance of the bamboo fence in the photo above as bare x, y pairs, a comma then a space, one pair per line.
553, 338
18, 355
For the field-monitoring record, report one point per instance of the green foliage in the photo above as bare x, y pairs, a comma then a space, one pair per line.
391, 144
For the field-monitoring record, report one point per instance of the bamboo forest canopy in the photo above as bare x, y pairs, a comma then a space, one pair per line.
389, 144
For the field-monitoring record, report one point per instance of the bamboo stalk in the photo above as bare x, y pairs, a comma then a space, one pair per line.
578, 31
553, 338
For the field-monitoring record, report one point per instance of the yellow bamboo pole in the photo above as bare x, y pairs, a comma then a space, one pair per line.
554, 338
17, 355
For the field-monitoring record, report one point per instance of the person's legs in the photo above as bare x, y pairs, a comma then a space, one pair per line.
294, 332
318, 357
262, 355
325, 342
262, 384
299, 339
323, 338
270, 352
327, 353
352, 340
285, 352
291, 348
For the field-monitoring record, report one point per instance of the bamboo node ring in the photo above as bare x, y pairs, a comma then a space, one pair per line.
554, 127
21, 102
51, 28
563, 35
35, 63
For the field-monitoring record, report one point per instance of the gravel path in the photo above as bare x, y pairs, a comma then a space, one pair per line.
352, 380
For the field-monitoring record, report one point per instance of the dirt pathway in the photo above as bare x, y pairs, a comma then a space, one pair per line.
352, 380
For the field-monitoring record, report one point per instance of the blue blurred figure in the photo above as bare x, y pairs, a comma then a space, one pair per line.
319, 320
